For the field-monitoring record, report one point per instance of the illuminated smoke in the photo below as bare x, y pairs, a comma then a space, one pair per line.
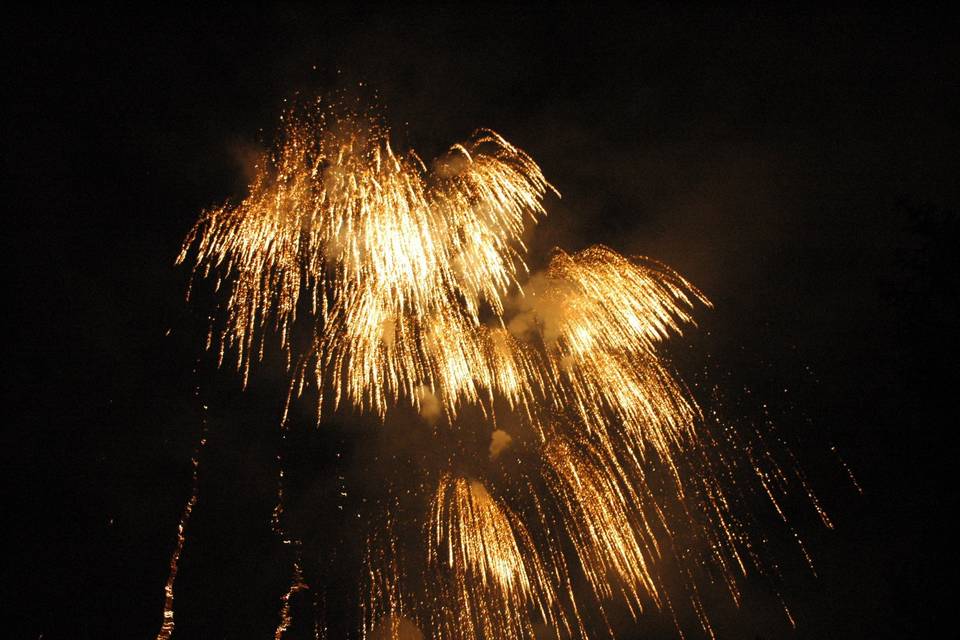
499, 441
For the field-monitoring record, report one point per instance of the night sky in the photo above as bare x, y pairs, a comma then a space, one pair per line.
799, 167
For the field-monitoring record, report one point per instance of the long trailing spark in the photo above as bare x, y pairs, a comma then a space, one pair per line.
613, 313
412, 284
167, 627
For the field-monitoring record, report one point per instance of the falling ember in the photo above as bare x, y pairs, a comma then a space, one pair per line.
166, 629
410, 279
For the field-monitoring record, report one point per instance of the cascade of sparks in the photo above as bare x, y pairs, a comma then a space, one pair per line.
412, 281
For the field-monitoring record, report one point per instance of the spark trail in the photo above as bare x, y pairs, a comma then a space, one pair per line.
167, 627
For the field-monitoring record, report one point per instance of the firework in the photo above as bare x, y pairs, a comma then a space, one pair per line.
411, 282
390, 258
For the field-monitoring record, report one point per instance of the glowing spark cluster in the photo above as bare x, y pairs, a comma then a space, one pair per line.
411, 281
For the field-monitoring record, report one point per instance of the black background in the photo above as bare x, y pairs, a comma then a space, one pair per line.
799, 167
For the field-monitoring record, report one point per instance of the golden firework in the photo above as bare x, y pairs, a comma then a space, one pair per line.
412, 283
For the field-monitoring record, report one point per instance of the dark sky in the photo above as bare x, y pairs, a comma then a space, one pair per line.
800, 167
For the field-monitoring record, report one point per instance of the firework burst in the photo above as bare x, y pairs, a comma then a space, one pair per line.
412, 283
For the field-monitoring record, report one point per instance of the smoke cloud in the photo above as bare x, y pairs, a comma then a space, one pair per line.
430, 407
535, 311
396, 628
499, 441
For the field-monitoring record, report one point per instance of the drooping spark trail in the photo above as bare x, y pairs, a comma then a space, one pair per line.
412, 283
